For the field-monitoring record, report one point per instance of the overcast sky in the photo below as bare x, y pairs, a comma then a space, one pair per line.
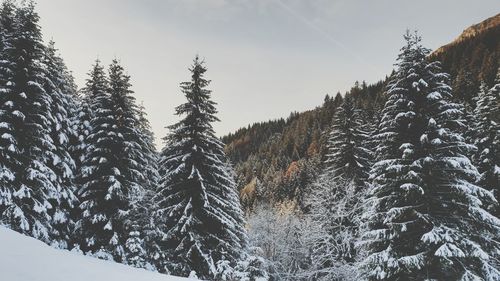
265, 58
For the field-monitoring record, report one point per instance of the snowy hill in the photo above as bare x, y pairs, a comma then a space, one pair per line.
26, 259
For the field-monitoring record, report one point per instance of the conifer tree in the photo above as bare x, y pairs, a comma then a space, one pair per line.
486, 134
59, 85
427, 220
139, 158
103, 193
348, 157
8, 146
30, 185
80, 124
117, 168
337, 195
199, 215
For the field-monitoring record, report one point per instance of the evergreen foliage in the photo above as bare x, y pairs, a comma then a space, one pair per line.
103, 190
348, 158
486, 134
199, 215
36, 172
428, 221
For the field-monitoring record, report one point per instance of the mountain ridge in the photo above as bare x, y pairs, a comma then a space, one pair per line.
276, 160
471, 31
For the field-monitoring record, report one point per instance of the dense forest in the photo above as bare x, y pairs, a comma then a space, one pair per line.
274, 159
396, 180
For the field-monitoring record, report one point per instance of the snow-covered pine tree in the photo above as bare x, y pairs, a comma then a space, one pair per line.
199, 215
427, 221
147, 142
348, 157
336, 218
139, 161
486, 134
337, 196
28, 183
102, 192
144, 205
7, 146
61, 89
80, 122
117, 168
133, 158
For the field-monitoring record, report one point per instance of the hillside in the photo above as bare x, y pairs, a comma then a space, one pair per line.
472, 57
24, 258
276, 160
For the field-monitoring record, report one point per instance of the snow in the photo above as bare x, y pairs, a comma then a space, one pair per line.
26, 259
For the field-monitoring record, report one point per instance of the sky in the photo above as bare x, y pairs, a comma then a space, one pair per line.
266, 58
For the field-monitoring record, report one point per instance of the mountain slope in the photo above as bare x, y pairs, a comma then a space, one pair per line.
275, 160
471, 58
26, 259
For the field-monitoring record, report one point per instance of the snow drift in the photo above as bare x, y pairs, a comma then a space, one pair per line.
23, 258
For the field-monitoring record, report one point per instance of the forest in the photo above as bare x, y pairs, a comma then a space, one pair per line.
396, 180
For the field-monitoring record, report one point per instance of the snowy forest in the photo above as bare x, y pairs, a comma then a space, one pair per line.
399, 184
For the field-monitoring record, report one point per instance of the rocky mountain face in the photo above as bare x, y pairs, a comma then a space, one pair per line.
277, 159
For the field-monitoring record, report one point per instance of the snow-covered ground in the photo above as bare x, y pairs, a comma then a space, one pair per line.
23, 258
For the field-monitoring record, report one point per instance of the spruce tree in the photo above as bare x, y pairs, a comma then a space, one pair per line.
348, 157
117, 168
337, 195
103, 193
199, 217
139, 160
486, 134
30, 180
59, 85
427, 220
8, 163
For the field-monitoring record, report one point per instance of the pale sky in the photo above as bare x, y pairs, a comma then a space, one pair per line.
265, 58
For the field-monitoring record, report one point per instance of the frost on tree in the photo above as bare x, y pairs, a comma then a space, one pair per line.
336, 199
348, 157
35, 171
102, 192
428, 220
486, 135
60, 86
117, 168
199, 218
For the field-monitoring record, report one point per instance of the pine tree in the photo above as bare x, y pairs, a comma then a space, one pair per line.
30, 186
117, 168
427, 220
59, 85
8, 163
336, 197
337, 218
80, 123
139, 158
486, 134
348, 157
199, 214
103, 193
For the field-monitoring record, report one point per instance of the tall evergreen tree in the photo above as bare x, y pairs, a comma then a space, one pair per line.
427, 221
59, 85
199, 215
30, 180
486, 134
337, 195
139, 160
117, 168
8, 146
102, 192
348, 157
